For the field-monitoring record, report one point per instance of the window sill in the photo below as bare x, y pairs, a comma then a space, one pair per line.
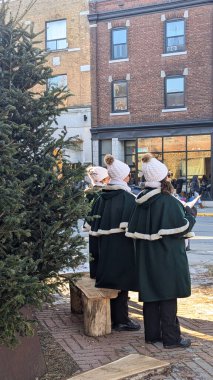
119, 60
119, 113
55, 50
62, 50
175, 53
174, 109
73, 49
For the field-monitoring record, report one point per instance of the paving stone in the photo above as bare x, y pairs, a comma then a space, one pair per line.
196, 318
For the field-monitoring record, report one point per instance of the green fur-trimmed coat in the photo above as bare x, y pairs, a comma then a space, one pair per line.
158, 225
92, 193
116, 263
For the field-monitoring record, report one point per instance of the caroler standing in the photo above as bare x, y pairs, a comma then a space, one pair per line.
99, 178
159, 224
116, 264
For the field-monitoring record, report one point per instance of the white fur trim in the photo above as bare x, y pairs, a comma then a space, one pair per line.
118, 187
86, 227
150, 194
153, 184
138, 235
172, 231
106, 232
189, 235
124, 225
159, 234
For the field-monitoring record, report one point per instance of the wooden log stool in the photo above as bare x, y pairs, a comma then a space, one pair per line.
93, 302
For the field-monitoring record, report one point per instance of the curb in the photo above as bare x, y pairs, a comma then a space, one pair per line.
205, 214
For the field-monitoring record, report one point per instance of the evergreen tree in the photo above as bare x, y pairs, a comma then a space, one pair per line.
40, 201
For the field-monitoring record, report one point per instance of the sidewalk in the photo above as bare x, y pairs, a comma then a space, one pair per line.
196, 319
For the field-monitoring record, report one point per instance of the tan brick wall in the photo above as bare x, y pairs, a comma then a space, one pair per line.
146, 87
77, 37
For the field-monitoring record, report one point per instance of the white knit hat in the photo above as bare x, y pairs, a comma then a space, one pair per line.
97, 174
117, 170
152, 169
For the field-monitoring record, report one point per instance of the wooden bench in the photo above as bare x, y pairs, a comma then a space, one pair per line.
131, 365
93, 302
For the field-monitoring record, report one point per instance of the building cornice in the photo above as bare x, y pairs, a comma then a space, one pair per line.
116, 14
149, 126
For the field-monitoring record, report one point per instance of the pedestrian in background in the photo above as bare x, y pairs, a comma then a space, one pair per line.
117, 264
159, 224
195, 189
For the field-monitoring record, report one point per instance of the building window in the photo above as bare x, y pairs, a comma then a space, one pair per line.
56, 35
58, 81
119, 43
174, 92
119, 96
184, 156
105, 147
130, 158
174, 36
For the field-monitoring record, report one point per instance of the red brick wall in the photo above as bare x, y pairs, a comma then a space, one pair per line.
146, 87
105, 6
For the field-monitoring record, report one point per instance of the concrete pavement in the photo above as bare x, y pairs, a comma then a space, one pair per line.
195, 315
202, 244
207, 210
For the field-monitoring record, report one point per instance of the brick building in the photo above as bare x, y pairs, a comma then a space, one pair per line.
65, 35
152, 83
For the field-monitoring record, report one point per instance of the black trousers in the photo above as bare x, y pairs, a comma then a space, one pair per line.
119, 308
161, 322
94, 255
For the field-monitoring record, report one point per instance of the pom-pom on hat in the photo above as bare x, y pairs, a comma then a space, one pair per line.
97, 174
117, 170
152, 169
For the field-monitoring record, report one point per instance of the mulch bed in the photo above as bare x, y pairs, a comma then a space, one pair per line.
60, 366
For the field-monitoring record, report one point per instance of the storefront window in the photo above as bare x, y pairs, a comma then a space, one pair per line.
199, 163
200, 142
174, 144
130, 147
130, 158
176, 163
185, 156
153, 144
105, 147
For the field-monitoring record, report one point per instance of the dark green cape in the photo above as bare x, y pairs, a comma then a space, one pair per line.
116, 267
159, 224
92, 194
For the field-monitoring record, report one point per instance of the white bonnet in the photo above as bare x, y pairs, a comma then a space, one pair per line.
152, 169
97, 174
117, 170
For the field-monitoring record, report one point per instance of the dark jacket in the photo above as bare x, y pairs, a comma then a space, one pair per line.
159, 224
194, 185
116, 266
92, 194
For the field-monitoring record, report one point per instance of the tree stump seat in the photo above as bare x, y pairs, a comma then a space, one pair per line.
93, 302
